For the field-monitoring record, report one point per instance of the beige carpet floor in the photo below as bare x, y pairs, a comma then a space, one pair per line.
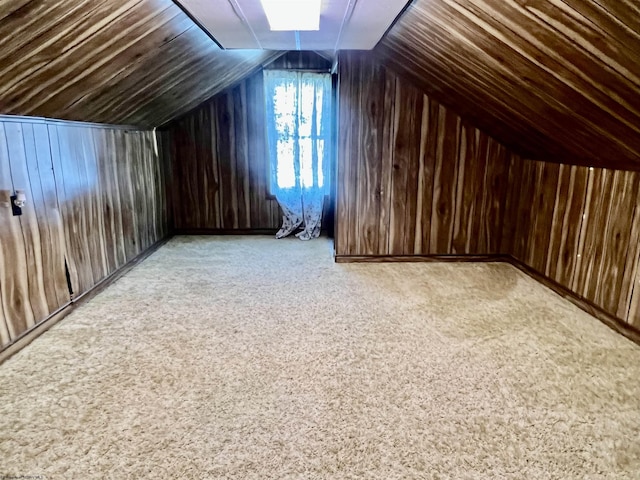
252, 358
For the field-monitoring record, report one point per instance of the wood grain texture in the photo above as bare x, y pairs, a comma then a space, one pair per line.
557, 80
95, 200
413, 178
139, 62
111, 194
578, 226
32, 248
218, 161
300, 60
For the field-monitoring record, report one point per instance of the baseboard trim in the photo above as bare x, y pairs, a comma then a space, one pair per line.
30, 335
225, 231
615, 323
123, 270
419, 258
34, 332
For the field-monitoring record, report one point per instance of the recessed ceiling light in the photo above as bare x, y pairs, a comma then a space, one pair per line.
288, 15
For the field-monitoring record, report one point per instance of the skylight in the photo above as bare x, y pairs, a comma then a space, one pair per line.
289, 15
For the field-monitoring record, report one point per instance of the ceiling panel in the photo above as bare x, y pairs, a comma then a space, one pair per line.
119, 61
546, 77
344, 24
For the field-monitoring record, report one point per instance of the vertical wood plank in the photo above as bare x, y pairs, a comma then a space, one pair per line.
466, 191
445, 179
593, 224
343, 161
386, 172
429, 146
243, 187
370, 108
399, 174
627, 304
353, 116
14, 283
21, 148
512, 206
565, 225
616, 246
50, 220
545, 186
408, 146
46, 247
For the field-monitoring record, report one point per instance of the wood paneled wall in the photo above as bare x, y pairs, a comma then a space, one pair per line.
219, 167
580, 227
218, 158
413, 178
301, 59
95, 200
553, 80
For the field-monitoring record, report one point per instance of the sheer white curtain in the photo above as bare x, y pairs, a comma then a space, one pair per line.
299, 134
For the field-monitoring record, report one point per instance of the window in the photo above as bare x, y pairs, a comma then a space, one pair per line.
298, 128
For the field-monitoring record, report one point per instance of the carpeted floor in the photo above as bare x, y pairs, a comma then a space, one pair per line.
251, 358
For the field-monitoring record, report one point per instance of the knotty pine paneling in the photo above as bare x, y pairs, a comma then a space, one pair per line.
95, 200
413, 178
136, 62
578, 226
553, 80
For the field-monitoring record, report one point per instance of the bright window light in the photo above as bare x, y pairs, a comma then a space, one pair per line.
286, 15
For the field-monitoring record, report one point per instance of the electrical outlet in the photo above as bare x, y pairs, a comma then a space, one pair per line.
15, 208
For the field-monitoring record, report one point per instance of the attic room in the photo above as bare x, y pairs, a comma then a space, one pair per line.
452, 293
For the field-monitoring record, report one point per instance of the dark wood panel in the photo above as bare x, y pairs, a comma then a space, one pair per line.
7, 7
446, 181
300, 60
345, 179
557, 81
408, 106
566, 223
578, 227
140, 62
367, 144
219, 163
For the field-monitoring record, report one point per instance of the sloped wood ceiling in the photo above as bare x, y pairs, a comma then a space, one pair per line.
140, 62
552, 79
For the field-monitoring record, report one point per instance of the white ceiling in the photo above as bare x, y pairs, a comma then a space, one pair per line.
344, 24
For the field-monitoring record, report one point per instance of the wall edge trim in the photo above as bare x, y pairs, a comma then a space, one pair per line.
30, 335
71, 123
491, 257
615, 323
